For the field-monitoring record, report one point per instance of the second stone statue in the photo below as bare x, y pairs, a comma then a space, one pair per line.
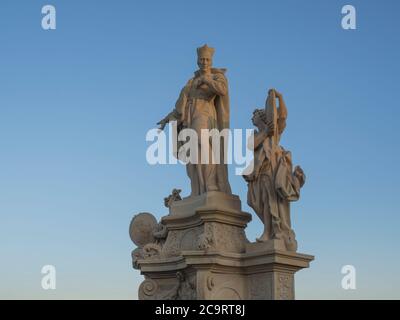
272, 184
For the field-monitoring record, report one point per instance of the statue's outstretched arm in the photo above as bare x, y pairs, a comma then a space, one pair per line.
177, 113
172, 116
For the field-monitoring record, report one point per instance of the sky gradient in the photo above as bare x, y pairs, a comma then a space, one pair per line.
76, 103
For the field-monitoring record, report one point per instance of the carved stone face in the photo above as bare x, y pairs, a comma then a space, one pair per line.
204, 62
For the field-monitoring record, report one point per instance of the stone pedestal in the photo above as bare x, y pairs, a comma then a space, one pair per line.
205, 255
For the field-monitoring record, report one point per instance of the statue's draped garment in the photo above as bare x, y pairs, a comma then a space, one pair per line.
272, 184
206, 107
272, 187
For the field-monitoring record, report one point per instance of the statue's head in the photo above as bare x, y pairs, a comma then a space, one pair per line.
259, 117
204, 57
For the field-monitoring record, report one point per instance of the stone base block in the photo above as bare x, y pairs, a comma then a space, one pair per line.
205, 254
261, 275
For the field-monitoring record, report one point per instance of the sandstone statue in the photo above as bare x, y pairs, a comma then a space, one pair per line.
198, 249
272, 184
204, 104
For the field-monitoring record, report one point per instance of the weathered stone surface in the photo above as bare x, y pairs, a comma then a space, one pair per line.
257, 275
213, 200
211, 221
272, 183
141, 228
206, 256
200, 250
203, 104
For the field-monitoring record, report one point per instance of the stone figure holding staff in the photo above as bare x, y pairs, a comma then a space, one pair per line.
272, 184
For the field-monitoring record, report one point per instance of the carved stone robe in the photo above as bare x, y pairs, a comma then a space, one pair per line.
271, 186
206, 107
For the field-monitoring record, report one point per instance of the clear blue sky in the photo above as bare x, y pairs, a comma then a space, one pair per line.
76, 103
